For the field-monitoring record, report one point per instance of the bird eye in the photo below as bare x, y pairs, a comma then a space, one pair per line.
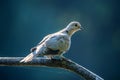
75, 24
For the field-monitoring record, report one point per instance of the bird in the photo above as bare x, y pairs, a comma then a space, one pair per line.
55, 44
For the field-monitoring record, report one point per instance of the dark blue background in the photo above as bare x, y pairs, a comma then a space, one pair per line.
23, 23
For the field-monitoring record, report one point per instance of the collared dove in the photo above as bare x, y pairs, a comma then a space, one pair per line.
55, 44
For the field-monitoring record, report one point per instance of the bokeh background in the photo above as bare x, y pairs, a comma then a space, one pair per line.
23, 23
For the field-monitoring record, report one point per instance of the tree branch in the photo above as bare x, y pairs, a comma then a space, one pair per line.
60, 63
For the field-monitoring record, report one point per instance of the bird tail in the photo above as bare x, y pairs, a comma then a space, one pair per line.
28, 58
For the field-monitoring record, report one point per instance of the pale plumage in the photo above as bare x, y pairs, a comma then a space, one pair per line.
54, 44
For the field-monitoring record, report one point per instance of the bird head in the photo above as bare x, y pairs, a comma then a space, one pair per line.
73, 27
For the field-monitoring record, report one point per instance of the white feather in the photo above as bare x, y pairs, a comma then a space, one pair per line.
59, 41
28, 58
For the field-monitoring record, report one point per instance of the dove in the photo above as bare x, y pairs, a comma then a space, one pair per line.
55, 44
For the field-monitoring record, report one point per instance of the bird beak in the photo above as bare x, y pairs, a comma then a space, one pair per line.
81, 28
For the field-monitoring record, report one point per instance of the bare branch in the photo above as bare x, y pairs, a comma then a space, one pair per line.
60, 63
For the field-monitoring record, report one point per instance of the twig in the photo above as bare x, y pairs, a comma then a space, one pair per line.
60, 63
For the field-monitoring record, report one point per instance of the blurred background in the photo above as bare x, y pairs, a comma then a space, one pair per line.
23, 23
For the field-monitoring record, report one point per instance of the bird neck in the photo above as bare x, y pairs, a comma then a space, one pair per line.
68, 32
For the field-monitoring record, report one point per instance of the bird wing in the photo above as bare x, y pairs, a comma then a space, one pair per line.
43, 40
58, 42
55, 43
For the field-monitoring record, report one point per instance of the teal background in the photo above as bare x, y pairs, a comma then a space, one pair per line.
23, 23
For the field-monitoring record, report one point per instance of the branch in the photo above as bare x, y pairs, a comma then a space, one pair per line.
61, 63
